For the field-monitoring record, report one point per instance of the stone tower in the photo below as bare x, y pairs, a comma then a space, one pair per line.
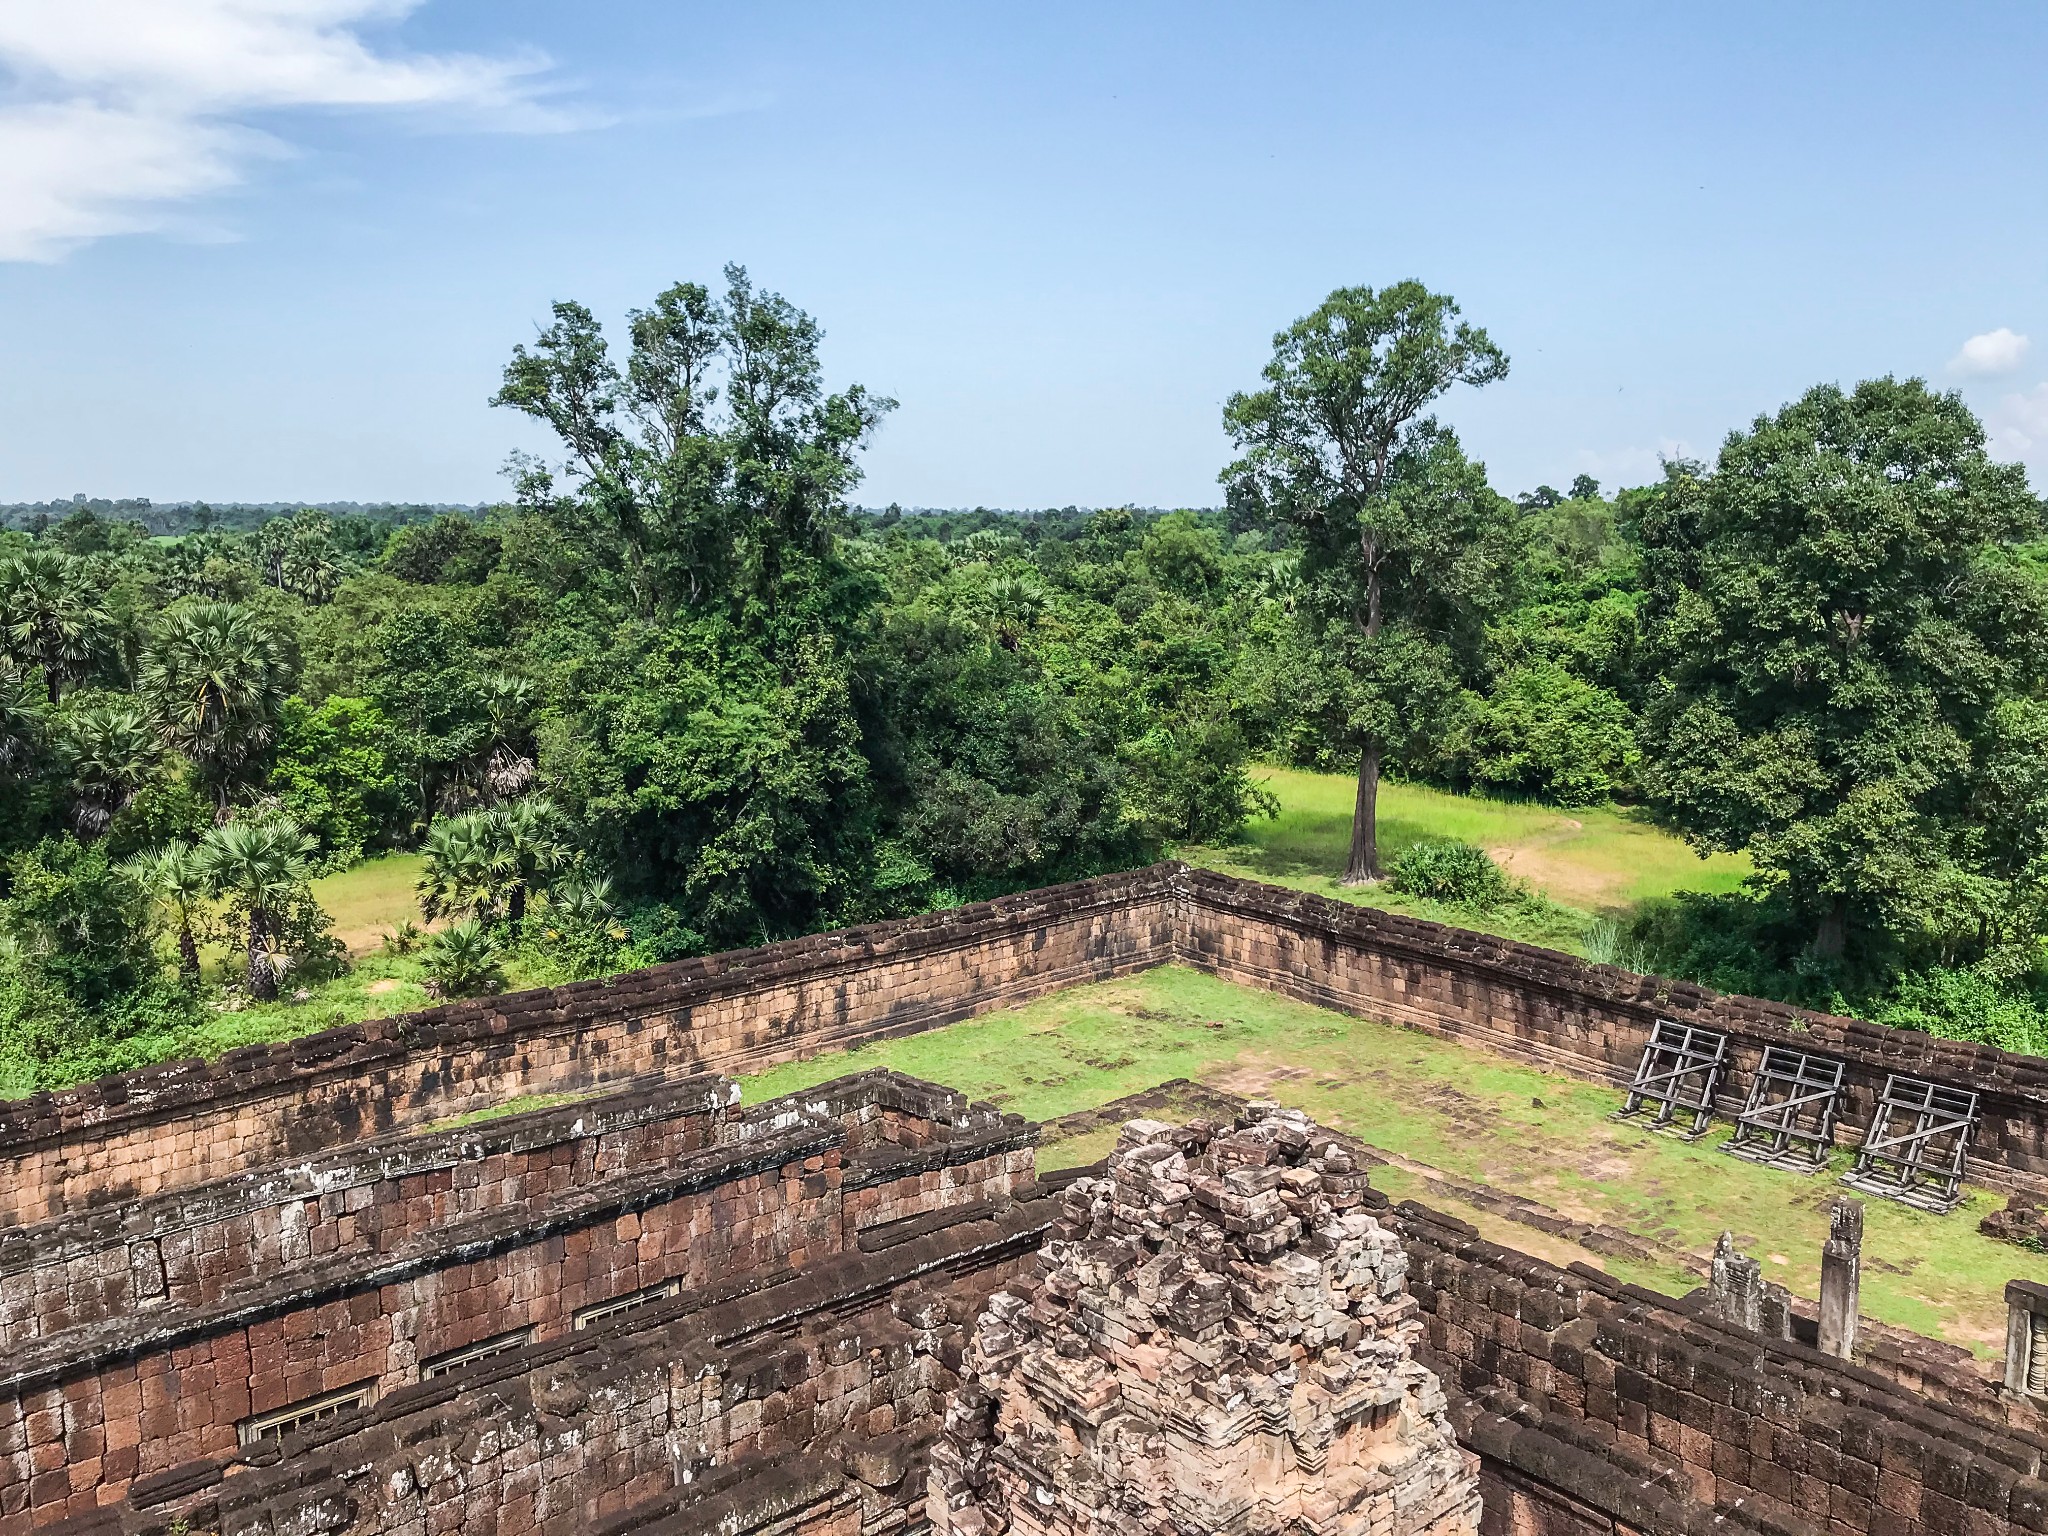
1217, 1340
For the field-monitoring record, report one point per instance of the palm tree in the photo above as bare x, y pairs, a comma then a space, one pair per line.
180, 880
466, 868
50, 617
585, 899
533, 849
21, 721
464, 960
108, 752
214, 678
259, 865
501, 768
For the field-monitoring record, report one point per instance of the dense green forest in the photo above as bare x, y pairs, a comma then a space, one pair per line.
678, 695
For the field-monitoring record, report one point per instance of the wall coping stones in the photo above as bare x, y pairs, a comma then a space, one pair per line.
175, 1089
395, 1156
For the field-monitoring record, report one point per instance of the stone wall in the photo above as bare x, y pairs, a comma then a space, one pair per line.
190, 1122
801, 1408
187, 1123
1590, 1021
1602, 1407
359, 1269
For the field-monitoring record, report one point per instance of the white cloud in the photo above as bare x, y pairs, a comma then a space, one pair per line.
1994, 352
118, 110
2018, 427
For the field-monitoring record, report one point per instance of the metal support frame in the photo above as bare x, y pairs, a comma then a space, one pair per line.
1788, 1119
1681, 1069
1917, 1145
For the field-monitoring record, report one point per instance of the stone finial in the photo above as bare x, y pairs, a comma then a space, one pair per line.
1219, 1341
1735, 1291
1841, 1278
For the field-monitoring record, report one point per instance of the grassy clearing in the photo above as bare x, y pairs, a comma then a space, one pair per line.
1599, 860
369, 900
1459, 1111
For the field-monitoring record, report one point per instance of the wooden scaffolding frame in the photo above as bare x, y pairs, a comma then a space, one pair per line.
1681, 1070
1788, 1118
1917, 1146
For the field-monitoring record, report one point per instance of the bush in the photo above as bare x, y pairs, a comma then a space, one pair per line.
464, 960
1457, 873
579, 934
1546, 733
78, 922
1968, 1005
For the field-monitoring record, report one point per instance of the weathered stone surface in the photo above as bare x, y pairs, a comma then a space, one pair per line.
1219, 1341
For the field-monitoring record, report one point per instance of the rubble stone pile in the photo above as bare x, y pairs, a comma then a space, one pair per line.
1217, 1340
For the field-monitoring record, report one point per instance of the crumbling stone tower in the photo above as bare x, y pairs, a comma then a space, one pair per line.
1218, 1340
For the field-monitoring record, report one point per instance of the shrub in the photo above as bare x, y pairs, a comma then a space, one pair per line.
464, 960
1546, 733
79, 922
579, 933
1457, 873
1964, 1004
405, 938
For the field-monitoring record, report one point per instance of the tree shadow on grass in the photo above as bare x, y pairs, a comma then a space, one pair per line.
1299, 844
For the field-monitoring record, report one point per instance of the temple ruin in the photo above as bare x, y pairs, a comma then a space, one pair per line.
530, 1265
1221, 1340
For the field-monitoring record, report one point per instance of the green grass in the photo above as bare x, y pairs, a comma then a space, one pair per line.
523, 1104
1470, 1115
1599, 860
370, 899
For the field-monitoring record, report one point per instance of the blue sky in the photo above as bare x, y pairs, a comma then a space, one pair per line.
279, 249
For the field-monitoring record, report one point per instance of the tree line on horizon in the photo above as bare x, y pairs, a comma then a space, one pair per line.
678, 695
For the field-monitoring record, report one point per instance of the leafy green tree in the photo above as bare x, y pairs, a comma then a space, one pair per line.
180, 880
429, 684
449, 551
1542, 731
108, 752
1837, 613
1400, 532
706, 773
1585, 488
712, 469
78, 921
215, 675
52, 618
336, 772
263, 866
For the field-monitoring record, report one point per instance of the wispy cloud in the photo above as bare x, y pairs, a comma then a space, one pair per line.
1989, 354
2018, 427
117, 111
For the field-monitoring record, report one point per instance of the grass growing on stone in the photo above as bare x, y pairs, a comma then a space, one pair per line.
525, 1103
1599, 860
1462, 1112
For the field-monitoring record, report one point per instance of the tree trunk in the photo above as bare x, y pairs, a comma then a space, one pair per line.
1832, 937
188, 954
1364, 865
515, 907
262, 979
